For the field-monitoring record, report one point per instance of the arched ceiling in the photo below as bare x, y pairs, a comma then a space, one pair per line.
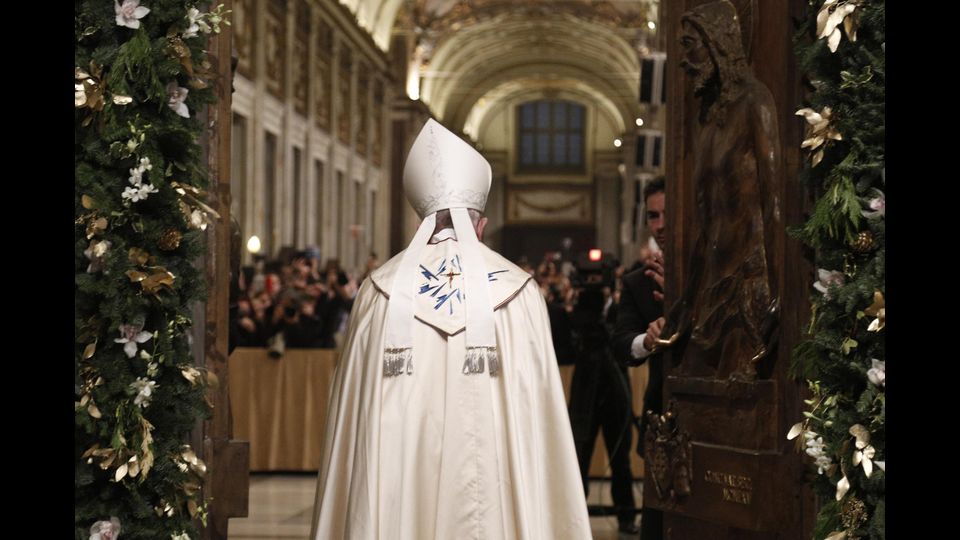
379, 17
481, 57
491, 49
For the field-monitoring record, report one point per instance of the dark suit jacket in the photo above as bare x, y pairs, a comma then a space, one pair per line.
637, 309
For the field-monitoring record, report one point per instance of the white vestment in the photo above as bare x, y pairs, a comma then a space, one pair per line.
439, 454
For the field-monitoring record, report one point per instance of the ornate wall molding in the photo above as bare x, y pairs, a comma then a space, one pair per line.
549, 205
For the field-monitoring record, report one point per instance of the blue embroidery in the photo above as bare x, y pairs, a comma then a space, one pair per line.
428, 288
444, 297
434, 289
491, 274
426, 273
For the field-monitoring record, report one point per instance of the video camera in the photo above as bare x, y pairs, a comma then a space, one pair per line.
594, 272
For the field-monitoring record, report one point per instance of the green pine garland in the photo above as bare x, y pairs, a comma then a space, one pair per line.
139, 219
843, 358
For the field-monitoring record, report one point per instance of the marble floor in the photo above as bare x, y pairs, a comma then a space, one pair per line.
281, 507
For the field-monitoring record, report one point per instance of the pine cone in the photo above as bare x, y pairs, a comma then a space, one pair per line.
170, 240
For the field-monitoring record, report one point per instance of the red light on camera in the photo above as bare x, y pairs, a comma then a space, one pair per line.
595, 255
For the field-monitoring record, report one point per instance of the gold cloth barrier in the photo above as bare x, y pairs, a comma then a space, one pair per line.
280, 405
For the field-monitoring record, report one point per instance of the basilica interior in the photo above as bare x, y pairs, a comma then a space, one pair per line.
564, 98
329, 95
709, 152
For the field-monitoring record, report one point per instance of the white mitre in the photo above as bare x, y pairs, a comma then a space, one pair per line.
443, 172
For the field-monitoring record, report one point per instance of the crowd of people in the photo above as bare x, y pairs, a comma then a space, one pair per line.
294, 302
304, 303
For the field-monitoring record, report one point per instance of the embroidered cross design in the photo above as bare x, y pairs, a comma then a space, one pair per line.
434, 287
450, 275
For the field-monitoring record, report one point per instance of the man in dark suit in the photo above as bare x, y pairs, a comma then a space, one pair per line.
639, 322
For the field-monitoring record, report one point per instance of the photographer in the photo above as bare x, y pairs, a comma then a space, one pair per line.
600, 395
334, 303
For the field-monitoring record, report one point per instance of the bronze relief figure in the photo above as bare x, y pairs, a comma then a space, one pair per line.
730, 305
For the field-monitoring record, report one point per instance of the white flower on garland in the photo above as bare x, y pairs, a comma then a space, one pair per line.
138, 137
817, 450
198, 220
828, 279
131, 193
878, 373
96, 252
144, 389
136, 176
205, 22
139, 191
181, 536
194, 18
877, 205
146, 189
105, 530
216, 17
130, 335
176, 96
130, 13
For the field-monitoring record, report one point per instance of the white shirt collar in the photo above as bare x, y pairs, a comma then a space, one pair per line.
444, 234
